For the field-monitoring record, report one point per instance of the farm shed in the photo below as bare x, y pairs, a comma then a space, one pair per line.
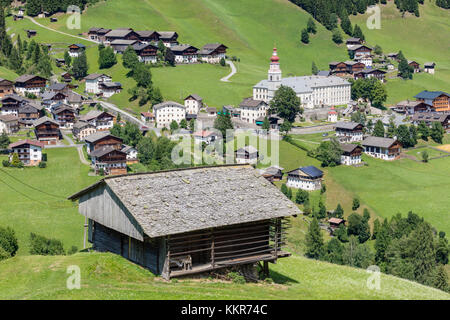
188, 221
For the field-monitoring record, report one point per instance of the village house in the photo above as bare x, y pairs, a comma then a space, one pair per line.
76, 49
81, 130
98, 34
360, 51
211, 111
65, 115
349, 131
58, 87
148, 36
205, 136
168, 111
429, 67
351, 42
313, 91
101, 140
30, 84
29, 151
109, 161
47, 130
253, 109
169, 38
382, 148
132, 154
351, 154
184, 53
273, 173
332, 115
66, 77
365, 59
147, 117
431, 117
307, 178
75, 100
212, 52
151, 232
94, 80
370, 73
193, 103
247, 154
411, 107
231, 111
9, 123
6, 87
335, 223
101, 120
393, 56
108, 89
274, 121
11, 104
120, 45
29, 113
146, 52
438, 99
52, 98
415, 65
120, 34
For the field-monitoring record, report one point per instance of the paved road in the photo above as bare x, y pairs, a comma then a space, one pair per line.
64, 33
233, 71
127, 116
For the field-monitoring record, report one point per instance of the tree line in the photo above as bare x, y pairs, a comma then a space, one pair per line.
35, 7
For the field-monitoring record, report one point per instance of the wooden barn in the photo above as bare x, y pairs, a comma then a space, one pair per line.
170, 223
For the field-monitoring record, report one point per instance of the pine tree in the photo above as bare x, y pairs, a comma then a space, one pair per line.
67, 58
357, 33
337, 36
355, 204
301, 196
437, 132
315, 248
266, 124
106, 58
423, 130
339, 212
440, 280
378, 131
4, 140
305, 36
289, 194
311, 26
130, 59
36, 54
314, 69
80, 66
346, 25
284, 189
423, 257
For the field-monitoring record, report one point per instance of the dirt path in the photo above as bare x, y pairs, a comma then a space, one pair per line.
233, 71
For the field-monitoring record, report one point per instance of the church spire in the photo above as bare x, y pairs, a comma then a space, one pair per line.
274, 74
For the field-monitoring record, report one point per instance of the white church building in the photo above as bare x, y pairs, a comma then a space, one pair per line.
313, 91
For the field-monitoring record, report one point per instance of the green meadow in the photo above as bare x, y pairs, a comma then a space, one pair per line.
423, 39
108, 276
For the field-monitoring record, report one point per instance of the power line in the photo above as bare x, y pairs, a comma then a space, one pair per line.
30, 186
23, 194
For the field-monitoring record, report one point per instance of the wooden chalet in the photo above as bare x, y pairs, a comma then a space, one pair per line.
382, 148
360, 50
29, 151
213, 52
351, 154
147, 36
65, 115
247, 154
81, 130
67, 77
370, 73
347, 68
349, 131
29, 113
184, 53
430, 117
335, 223
353, 42
102, 120
98, 34
146, 52
30, 83
415, 65
411, 107
273, 173
440, 100
47, 130
6, 87
121, 34
144, 218
11, 104
110, 160
102, 139
169, 38
76, 49
428, 67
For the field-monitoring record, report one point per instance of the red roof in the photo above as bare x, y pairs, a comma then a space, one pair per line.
147, 114
203, 133
335, 220
27, 141
274, 58
332, 111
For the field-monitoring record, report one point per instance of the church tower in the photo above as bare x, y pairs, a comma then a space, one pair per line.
274, 74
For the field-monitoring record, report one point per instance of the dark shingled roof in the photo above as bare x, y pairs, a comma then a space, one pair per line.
430, 94
173, 202
99, 135
378, 142
43, 120
249, 102
346, 125
349, 147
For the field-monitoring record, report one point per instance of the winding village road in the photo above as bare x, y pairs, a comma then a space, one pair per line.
233, 71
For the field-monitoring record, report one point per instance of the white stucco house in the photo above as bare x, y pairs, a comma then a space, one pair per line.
168, 111
306, 178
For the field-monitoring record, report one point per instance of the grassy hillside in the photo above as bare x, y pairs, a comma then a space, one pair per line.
34, 199
107, 276
423, 39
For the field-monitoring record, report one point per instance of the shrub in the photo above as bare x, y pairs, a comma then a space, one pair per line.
72, 250
8, 242
42, 164
5, 163
236, 277
40, 245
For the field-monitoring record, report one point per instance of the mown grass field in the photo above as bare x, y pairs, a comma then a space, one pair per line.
423, 39
107, 276
33, 199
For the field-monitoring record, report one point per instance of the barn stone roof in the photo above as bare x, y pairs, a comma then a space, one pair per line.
177, 201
